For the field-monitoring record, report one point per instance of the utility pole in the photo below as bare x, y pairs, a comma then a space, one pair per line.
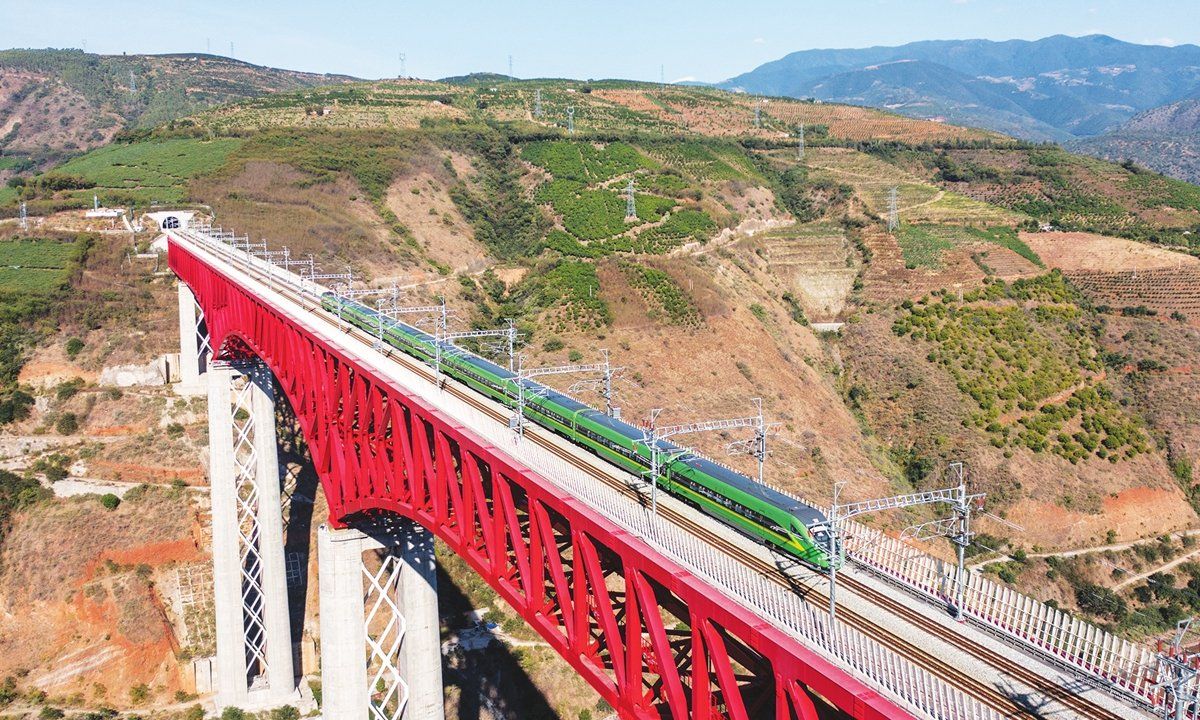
1176, 674
537, 103
893, 220
24, 218
630, 206
604, 369
758, 112
756, 446
800, 145
570, 119
958, 528
652, 435
132, 84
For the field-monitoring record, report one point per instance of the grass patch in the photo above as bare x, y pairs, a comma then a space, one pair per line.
1008, 238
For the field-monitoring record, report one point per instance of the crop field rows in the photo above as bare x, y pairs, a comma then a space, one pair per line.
1164, 290
35, 267
923, 245
585, 193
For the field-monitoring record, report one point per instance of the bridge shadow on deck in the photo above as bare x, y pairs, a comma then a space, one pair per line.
492, 682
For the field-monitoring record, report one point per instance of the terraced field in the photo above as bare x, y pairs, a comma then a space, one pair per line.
1169, 292
819, 264
35, 267
917, 200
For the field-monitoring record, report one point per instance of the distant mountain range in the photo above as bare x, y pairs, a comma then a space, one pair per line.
1058, 88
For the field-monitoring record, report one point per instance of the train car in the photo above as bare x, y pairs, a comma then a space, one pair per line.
732, 498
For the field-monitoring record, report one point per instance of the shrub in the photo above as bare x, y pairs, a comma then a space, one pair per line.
574, 356
195, 712
74, 347
287, 712
139, 693
50, 713
553, 345
67, 424
233, 713
110, 501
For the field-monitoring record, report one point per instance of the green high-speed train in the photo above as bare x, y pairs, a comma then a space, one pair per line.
770, 516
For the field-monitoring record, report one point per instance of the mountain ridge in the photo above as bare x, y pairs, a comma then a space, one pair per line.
1058, 88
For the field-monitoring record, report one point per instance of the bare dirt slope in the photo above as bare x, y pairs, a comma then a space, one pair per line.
83, 576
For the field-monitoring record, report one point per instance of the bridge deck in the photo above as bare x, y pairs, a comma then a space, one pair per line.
774, 592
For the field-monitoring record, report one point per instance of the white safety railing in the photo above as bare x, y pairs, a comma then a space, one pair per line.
917, 688
1128, 667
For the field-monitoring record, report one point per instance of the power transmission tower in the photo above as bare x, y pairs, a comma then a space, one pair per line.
758, 113
208, 46
231, 49
571, 120
403, 65
662, 77
132, 84
893, 220
537, 103
630, 206
24, 218
800, 145
510, 70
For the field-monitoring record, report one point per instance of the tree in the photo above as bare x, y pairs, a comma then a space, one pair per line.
110, 501
1099, 600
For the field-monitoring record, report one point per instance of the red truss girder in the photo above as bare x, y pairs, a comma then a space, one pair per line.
654, 640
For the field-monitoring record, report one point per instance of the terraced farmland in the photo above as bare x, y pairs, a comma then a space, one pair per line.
1165, 291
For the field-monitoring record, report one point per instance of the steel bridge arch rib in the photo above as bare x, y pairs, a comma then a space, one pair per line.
595, 593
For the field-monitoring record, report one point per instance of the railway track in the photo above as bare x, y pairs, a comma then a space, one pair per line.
1015, 705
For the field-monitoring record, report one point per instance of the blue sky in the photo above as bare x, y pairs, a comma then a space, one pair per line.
701, 39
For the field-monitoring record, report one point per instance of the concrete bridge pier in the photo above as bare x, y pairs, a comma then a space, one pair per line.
254, 667
195, 354
380, 640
